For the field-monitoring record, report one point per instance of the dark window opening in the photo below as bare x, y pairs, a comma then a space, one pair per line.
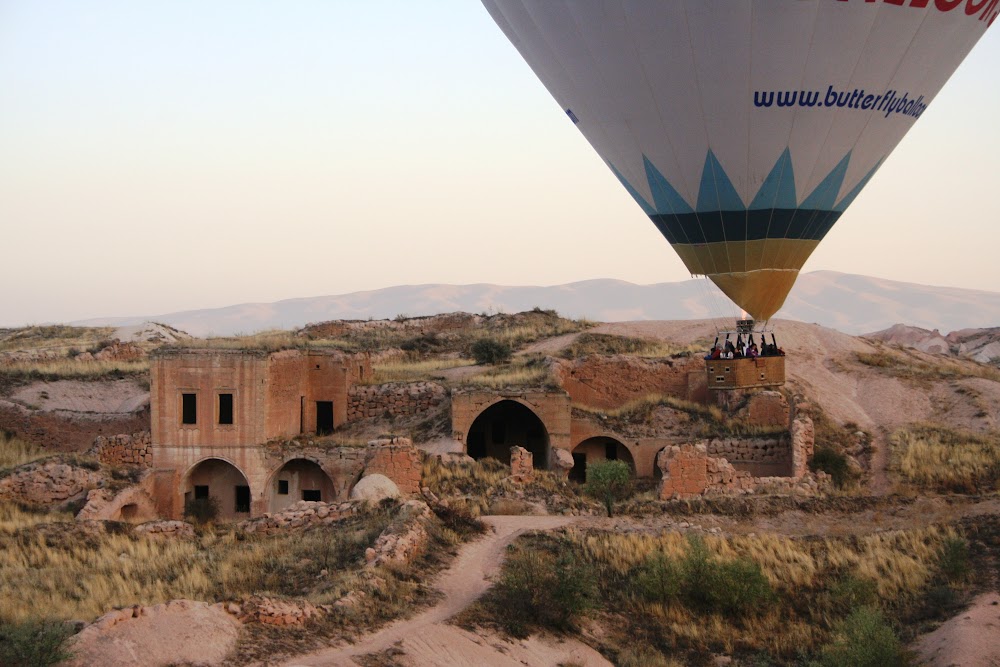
189, 408
579, 471
312, 495
302, 414
201, 492
282, 487
361, 372
611, 451
225, 408
243, 499
324, 417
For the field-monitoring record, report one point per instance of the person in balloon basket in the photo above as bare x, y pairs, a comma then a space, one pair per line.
752, 351
715, 353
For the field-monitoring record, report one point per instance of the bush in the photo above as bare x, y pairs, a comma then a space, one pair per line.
536, 588
955, 559
33, 643
491, 351
864, 639
732, 588
832, 463
850, 592
609, 481
201, 510
702, 583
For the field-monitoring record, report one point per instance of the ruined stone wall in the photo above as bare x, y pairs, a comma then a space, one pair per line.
551, 407
767, 408
394, 399
397, 459
757, 456
611, 381
123, 449
522, 467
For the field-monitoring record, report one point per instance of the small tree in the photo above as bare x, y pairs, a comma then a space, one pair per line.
491, 351
609, 481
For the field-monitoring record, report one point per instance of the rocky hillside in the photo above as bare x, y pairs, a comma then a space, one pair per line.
982, 345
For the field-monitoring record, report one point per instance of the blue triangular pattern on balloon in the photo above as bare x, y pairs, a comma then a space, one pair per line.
846, 201
649, 209
778, 189
666, 198
824, 196
716, 192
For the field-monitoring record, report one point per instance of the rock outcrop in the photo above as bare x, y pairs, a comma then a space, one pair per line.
49, 483
374, 488
404, 539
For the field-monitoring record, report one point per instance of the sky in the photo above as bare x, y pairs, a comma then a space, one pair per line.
165, 156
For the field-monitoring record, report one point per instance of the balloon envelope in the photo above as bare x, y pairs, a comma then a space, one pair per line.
744, 128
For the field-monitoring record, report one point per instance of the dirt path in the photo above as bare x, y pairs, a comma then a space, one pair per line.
462, 583
879, 484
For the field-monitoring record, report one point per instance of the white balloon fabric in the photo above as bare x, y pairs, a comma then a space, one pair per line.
744, 128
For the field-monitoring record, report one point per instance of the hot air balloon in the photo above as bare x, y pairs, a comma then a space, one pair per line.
744, 128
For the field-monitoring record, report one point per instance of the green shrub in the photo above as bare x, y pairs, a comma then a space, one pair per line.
733, 588
33, 643
491, 351
850, 592
955, 559
609, 481
536, 588
201, 510
703, 583
864, 639
832, 463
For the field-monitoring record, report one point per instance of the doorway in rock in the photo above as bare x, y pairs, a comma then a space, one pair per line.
324, 417
504, 425
222, 482
601, 448
299, 479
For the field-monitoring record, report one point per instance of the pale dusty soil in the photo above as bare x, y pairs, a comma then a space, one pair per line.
112, 397
427, 640
176, 632
971, 639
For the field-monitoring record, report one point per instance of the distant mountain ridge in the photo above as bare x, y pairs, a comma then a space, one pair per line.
850, 303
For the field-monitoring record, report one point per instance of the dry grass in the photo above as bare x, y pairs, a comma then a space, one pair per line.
607, 344
639, 409
410, 370
264, 341
906, 364
56, 339
936, 458
484, 487
15, 452
70, 573
526, 371
814, 583
71, 369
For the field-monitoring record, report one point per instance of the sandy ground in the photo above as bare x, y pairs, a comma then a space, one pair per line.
426, 639
112, 397
971, 639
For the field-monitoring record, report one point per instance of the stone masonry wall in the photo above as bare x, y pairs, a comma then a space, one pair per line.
767, 408
397, 459
395, 399
522, 466
610, 381
124, 449
757, 456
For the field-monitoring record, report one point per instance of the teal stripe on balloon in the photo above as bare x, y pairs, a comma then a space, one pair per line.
778, 189
824, 196
717, 192
666, 198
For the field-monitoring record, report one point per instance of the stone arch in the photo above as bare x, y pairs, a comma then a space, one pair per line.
299, 479
599, 448
222, 480
504, 424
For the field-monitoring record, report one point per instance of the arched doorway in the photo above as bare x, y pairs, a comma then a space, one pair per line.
600, 448
223, 482
504, 425
299, 479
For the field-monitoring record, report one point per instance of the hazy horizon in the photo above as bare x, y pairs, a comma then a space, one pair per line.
162, 158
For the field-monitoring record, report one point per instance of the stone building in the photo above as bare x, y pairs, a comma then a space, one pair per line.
214, 411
